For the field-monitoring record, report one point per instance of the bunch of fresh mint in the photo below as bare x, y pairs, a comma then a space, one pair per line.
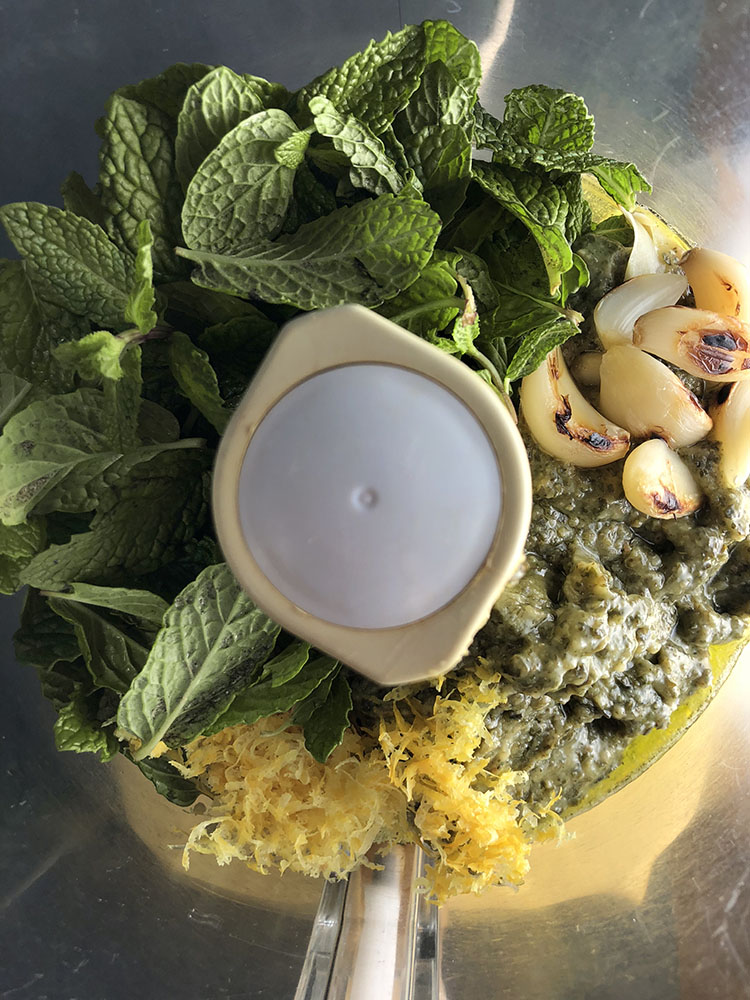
131, 326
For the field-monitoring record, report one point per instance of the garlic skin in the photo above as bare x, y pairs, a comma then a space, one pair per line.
616, 313
644, 257
731, 416
644, 396
563, 423
719, 282
585, 368
658, 483
700, 342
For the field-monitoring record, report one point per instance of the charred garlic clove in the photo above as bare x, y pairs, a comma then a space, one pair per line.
563, 423
644, 396
644, 257
585, 368
719, 282
731, 413
658, 483
700, 342
616, 313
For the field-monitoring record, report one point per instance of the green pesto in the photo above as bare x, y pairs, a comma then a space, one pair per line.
606, 629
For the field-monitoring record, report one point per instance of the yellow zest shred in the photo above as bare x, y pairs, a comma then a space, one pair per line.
476, 832
420, 778
275, 806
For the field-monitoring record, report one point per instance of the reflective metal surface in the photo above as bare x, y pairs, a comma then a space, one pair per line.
651, 897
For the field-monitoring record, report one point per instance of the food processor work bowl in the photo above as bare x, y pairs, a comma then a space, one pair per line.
649, 895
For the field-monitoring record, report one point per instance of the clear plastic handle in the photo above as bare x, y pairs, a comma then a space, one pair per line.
374, 937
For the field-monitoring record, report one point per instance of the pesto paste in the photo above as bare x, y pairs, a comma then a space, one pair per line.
606, 629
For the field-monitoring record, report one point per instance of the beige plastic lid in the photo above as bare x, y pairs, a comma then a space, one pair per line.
372, 494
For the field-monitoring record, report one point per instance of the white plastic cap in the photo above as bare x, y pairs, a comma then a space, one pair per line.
369, 496
372, 494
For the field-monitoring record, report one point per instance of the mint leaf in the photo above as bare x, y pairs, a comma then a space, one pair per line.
148, 608
475, 270
395, 150
287, 664
542, 207
197, 379
441, 99
235, 350
114, 653
71, 260
441, 159
81, 200
476, 221
95, 356
51, 451
436, 143
138, 180
536, 346
324, 716
213, 640
140, 307
445, 43
621, 181
187, 301
574, 279
156, 425
520, 314
212, 107
240, 192
310, 200
18, 545
429, 304
168, 781
291, 152
372, 85
167, 91
78, 730
616, 228
487, 129
364, 253
15, 393
115, 363
142, 522
546, 126
48, 644
371, 167
30, 329
262, 698
272, 95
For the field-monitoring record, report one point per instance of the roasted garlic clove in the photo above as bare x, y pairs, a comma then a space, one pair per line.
668, 246
616, 313
585, 368
644, 257
657, 482
644, 396
731, 413
563, 423
700, 342
719, 282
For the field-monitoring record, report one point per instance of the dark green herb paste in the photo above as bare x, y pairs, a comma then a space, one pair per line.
606, 629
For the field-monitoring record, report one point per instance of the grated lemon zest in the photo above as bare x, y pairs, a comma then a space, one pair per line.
419, 778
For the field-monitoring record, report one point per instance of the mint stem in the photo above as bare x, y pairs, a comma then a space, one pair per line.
134, 336
497, 379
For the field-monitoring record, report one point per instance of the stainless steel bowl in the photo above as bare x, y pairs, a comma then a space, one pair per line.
650, 898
